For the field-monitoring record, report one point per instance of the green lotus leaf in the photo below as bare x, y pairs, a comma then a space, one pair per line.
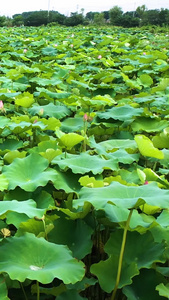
90, 181
3, 182
109, 145
163, 290
49, 51
162, 85
3, 289
55, 291
42, 92
10, 145
4, 122
123, 196
25, 100
27, 207
121, 113
148, 125
72, 124
109, 269
134, 246
85, 163
19, 128
29, 172
10, 156
51, 110
69, 140
38, 260
51, 123
44, 81
32, 226
66, 181
76, 234
145, 80
123, 156
162, 219
147, 148
161, 140
149, 279
15, 218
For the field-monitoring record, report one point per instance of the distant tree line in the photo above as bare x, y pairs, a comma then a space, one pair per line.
115, 16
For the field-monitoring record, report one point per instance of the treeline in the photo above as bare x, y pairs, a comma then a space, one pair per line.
115, 16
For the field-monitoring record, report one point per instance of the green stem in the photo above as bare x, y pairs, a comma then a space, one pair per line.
38, 291
23, 290
121, 256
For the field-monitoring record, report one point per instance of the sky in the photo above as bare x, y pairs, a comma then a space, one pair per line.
11, 7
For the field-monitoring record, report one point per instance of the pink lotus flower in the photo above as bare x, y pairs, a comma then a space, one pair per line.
25, 50
144, 53
99, 57
1, 105
146, 182
71, 45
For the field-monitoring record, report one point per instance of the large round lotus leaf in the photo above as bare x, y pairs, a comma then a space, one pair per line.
29, 172
85, 163
123, 196
121, 113
51, 110
36, 259
27, 207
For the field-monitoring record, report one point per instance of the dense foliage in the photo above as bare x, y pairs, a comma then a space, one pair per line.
115, 16
84, 147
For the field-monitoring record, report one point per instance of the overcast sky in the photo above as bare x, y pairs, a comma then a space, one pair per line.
11, 7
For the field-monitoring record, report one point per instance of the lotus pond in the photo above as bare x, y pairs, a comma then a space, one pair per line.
84, 161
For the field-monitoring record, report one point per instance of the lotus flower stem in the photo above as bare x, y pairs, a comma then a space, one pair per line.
23, 290
38, 291
121, 255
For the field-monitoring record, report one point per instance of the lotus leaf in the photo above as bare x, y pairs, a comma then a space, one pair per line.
29, 172
51, 110
38, 260
123, 196
121, 113
149, 279
85, 163
163, 290
27, 207
147, 148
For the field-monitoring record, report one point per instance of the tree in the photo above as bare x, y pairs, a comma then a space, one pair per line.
2, 21
151, 17
99, 19
141, 10
74, 19
115, 15
164, 17
18, 21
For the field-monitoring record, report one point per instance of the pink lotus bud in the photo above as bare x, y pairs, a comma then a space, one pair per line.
144, 53
99, 57
25, 50
35, 121
71, 45
85, 117
1, 105
56, 45
146, 182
